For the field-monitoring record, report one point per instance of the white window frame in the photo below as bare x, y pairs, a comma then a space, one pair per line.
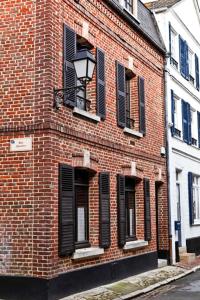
174, 45
135, 10
191, 64
196, 198
177, 114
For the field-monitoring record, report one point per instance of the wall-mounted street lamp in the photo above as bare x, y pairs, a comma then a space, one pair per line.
84, 64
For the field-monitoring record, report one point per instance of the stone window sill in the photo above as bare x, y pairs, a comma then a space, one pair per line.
133, 132
135, 245
87, 253
86, 114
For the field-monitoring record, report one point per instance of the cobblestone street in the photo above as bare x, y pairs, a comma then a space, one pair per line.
187, 288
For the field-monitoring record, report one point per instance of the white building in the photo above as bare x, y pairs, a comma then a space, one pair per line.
179, 24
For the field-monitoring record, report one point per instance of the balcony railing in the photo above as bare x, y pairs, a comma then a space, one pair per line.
130, 123
83, 103
174, 63
194, 142
177, 132
191, 79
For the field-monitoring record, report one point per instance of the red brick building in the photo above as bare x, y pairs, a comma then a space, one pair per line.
83, 188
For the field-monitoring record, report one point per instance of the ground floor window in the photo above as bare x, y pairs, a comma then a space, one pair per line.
196, 198
130, 209
81, 208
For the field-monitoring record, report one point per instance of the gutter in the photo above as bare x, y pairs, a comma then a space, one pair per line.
117, 7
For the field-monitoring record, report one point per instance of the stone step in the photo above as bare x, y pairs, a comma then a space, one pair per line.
187, 257
162, 263
182, 250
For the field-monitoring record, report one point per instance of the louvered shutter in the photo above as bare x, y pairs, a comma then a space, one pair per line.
121, 210
189, 124
185, 121
147, 210
172, 111
69, 74
190, 197
104, 207
170, 40
66, 210
101, 95
182, 56
197, 71
121, 96
186, 61
141, 97
198, 124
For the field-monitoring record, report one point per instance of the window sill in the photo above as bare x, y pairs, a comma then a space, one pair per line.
85, 253
133, 132
86, 114
135, 245
131, 14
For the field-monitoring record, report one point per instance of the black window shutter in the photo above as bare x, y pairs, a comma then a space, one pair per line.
190, 197
182, 56
69, 74
172, 111
121, 210
198, 124
185, 121
141, 94
186, 61
197, 71
101, 92
147, 210
66, 210
121, 96
189, 124
104, 210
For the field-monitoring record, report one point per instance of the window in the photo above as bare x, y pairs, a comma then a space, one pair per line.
130, 101
196, 198
194, 126
191, 66
173, 47
130, 209
128, 4
176, 115
129, 121
92, 100
81, 207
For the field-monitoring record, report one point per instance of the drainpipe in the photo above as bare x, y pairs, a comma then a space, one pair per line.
166, 74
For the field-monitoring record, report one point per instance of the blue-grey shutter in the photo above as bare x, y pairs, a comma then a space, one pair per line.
69, 74
185, 121
189, 125
104, 210
147, 210
121, 210
101, 95
198, 124
186, 62
141, 97
182, 55
172, 111
170, 40
190, 197
121, 95
197, 71
66, 210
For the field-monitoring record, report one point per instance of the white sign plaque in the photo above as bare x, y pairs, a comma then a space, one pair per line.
21, 144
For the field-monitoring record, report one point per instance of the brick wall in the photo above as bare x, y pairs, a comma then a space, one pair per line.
32, 51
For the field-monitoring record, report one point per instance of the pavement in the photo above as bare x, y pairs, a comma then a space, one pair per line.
138, 285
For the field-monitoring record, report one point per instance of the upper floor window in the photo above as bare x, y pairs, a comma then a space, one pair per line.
130, 100
173, 46
93, 98
194, 126
196, 198
176, 115
128, 4
191, 62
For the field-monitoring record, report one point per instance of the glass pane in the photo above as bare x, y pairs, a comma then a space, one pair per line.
81, 224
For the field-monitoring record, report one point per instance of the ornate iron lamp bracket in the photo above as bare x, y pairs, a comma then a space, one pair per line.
62, 95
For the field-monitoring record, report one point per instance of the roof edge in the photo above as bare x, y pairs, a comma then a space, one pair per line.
116, 6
